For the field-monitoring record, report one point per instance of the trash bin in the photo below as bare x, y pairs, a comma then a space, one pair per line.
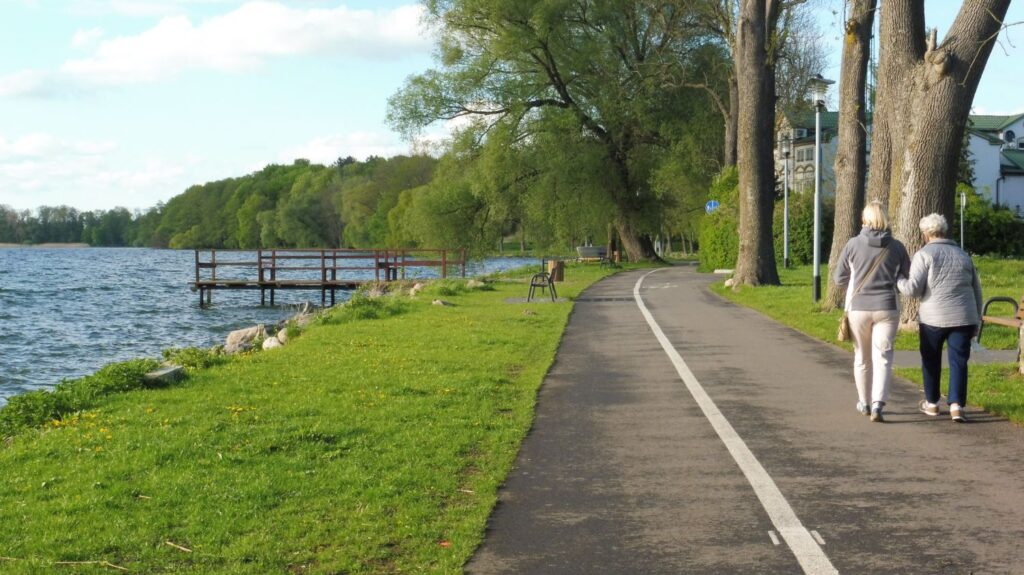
556, 269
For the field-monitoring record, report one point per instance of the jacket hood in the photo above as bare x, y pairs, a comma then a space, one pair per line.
876, 238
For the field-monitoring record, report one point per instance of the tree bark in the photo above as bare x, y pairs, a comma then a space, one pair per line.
729, 159
755, 141
942, 81
851, 160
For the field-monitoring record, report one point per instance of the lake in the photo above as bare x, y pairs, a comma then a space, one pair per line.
67, 312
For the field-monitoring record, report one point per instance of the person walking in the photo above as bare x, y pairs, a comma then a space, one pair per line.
943, 276
868, 268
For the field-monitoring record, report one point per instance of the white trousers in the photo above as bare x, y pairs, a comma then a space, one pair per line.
873, 335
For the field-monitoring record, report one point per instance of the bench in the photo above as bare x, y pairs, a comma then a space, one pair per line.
591, 254
1016, 321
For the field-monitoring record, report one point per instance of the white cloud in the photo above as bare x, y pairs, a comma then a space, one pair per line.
359, 145
41, 145
85, 38
237, 41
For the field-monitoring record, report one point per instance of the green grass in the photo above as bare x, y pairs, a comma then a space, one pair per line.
996, 388
791, 303
373, 443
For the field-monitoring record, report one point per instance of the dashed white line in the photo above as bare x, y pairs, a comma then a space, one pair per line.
817, 537
807, 551
774, 537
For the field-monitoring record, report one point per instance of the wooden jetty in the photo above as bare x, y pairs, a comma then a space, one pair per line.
327, 270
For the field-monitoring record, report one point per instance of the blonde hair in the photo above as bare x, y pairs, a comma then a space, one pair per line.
934, 225
874, 216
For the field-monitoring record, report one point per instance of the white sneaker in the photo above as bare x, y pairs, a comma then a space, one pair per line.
863, 408
956, 413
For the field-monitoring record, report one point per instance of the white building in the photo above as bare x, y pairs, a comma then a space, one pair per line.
996, 144
997, 148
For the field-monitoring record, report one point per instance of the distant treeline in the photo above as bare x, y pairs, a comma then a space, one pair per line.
461, 200
304, 204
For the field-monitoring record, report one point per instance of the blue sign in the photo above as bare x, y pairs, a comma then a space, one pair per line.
711, 206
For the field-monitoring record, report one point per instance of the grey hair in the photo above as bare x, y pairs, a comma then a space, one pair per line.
934, 225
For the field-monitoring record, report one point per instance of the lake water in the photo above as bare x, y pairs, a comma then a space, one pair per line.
68, 312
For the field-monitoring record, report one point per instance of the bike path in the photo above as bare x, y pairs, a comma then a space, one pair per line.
624, 471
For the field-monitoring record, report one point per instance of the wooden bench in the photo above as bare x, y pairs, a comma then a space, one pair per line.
1015, 321
591, 253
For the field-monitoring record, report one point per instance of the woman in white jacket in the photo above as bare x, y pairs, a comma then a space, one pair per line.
943, 276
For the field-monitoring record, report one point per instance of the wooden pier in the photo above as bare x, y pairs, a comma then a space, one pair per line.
327, 270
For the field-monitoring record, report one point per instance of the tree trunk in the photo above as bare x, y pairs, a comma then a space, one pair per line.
755, 141
944, 81
730, 123
639, 247
851, 161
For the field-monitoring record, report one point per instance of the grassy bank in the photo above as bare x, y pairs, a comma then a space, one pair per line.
997, 388
373, 443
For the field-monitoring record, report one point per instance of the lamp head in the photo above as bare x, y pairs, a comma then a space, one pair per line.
819, 89
785, 146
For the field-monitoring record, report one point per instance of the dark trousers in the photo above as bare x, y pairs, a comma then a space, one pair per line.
958, 340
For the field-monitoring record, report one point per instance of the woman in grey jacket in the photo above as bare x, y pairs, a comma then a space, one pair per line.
944, 277
869, 265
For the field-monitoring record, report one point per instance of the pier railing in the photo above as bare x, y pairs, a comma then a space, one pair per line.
328, 270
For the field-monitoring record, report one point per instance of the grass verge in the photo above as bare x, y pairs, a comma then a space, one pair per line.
373, 443
996, 388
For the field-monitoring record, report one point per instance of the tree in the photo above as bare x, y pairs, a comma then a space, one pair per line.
602, 62
924, 96
851, 154
755, 65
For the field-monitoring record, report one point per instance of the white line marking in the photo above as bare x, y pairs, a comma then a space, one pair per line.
817, 537
775, 538
810, 556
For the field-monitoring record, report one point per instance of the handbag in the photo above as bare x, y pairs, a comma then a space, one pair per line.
845, 333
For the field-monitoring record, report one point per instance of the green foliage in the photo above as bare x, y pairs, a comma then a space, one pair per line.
801, 228
988, 229
38, 407
362, 307
719, 237
194, 358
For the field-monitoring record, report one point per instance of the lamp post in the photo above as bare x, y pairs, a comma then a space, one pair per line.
786, 146
819, 87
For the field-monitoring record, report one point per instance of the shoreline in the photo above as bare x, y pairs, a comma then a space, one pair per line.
48, 245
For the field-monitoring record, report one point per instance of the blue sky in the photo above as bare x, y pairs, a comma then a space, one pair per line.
108, 103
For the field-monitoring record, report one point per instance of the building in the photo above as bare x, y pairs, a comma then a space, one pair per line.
996, 145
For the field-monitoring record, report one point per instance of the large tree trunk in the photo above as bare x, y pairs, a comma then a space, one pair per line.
755, 141
851, 162
730, 123
942, 80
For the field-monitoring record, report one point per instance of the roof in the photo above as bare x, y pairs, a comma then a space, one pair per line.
829, 120
990, 138
992, 123
1012, 162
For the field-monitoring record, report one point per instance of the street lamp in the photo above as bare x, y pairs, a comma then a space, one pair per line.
786, 146
819, 87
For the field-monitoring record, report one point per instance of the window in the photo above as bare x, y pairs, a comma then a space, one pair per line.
1020, 143
1009, 136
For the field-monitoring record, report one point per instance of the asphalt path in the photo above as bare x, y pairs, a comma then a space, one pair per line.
731, 445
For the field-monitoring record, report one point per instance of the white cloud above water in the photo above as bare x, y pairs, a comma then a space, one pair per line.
238, 41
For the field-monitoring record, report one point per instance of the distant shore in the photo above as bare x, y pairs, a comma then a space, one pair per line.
2, 245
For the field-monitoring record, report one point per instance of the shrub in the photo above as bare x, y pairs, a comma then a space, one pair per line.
447, 287
801, 228
361, 307
719, 238
194, 358
988, 229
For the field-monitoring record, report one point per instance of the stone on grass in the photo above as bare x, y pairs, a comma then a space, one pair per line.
416, 288
282, 335
730, 282
242, 339
169, 374
440, 302
271, 343
475, 284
